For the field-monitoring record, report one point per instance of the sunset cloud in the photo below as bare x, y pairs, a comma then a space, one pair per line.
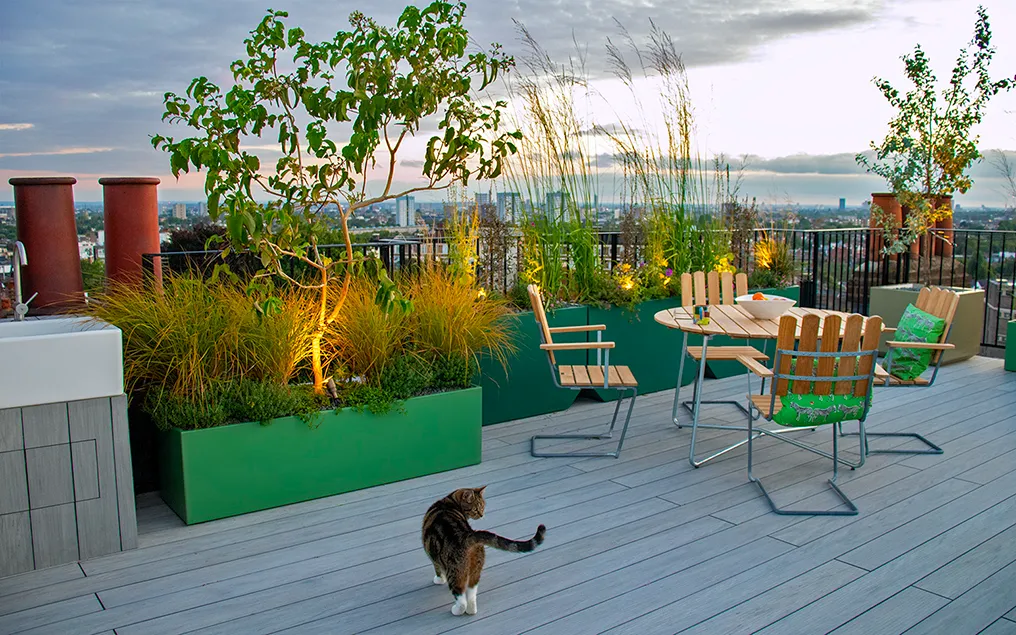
60, 152
16, 126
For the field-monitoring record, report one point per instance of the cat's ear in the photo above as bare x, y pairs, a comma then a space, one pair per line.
479, 490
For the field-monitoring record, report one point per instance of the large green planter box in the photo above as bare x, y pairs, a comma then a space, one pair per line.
1010, 346
527, 389
651, 350
890, 302
721, 369
241, 468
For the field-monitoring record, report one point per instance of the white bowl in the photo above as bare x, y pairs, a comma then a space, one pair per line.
772, 307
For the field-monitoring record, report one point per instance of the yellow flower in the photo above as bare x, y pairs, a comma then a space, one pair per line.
624, 267
481, 294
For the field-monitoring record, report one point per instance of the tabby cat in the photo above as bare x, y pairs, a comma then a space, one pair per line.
457, 551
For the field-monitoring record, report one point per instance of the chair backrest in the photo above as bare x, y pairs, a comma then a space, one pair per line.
842, 349
712, 288
541, 319
941, 303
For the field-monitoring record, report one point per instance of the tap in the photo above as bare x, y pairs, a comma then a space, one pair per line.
20, 260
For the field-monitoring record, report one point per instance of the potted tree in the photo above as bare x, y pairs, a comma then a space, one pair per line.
925, 158
336, 116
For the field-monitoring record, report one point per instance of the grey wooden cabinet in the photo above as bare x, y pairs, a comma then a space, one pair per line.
66, 489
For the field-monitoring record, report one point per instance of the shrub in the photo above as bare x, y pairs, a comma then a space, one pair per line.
234, 401
194, 332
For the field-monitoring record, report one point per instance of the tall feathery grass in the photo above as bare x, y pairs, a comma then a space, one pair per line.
677, 191
195, 332
366, 339
555, 171
452, 319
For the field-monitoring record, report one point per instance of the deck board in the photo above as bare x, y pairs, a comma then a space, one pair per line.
641, 544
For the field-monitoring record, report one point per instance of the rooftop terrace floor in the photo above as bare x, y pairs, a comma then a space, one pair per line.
643, 544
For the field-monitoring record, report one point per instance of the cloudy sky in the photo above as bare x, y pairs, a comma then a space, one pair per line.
787, 82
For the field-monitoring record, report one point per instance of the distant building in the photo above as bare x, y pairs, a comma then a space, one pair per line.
482, 198
180, 211
843, 204
558, 201
509, 204
202, 209
405, 211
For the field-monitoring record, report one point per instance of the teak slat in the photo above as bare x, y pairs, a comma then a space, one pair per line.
567, 375
595, 375
872, 332
808, 343
686, 296
741, 282
763, 329
699, 281
727, 287
541, 319
827, 364
627, 378
718, 314
762, 403
582, 376
851, 344
713, 287
727, 352
785, 341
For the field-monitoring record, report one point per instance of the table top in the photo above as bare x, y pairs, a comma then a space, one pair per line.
734, 321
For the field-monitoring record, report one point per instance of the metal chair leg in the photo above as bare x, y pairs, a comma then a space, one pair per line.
851, 508
591, 437
932, 448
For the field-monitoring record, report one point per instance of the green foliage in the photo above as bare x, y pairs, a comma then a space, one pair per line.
233, 401
930, 145
334, 107
453, 371
93, 275
196, 333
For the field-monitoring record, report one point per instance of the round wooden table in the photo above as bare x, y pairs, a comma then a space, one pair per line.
733, 321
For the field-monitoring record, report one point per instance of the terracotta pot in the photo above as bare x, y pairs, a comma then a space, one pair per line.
44, 207
943, 228
887, 202
131, 215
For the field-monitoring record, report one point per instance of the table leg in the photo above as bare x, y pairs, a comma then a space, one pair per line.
680, 380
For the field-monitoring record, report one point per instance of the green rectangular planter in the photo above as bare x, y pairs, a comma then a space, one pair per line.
649, 349
241, 468
1010, 346
721, 369
527, 389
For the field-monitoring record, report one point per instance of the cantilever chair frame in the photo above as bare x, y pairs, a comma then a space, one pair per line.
602, 360
925, 300
780, 378
710, 288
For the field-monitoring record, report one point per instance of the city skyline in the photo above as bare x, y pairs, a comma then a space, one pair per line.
771, 80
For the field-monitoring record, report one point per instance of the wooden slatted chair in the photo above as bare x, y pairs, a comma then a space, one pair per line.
577, 377
698, 289
942, 303
824, 381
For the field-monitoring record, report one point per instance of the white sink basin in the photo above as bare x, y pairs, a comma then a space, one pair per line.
53, 360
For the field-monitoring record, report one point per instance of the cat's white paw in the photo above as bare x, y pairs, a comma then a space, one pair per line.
471, 608
439, 579
458, 609
471, 600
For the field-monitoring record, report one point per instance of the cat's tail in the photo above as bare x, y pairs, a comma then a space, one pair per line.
491, 539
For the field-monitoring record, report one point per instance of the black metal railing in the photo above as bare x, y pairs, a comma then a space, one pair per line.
835, 268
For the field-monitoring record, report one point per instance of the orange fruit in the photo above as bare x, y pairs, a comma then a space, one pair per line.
758, 296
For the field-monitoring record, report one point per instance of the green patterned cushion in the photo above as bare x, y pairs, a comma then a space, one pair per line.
915, 326
816, 410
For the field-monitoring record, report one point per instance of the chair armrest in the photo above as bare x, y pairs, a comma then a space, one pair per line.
888, 329
880, 373
576, 346
754, 366
578, 329
927, 345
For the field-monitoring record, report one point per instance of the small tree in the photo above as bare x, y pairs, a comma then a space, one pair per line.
382, 83
929, 146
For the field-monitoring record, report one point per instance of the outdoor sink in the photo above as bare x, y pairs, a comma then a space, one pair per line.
53, 360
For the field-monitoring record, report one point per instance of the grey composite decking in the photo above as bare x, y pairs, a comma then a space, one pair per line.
643, 544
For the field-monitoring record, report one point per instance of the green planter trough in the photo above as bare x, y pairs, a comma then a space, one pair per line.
650, 349
527, 389
1010, 346
246, 467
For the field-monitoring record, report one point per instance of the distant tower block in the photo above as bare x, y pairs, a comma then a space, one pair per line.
843, 204
131, 211
44, 208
